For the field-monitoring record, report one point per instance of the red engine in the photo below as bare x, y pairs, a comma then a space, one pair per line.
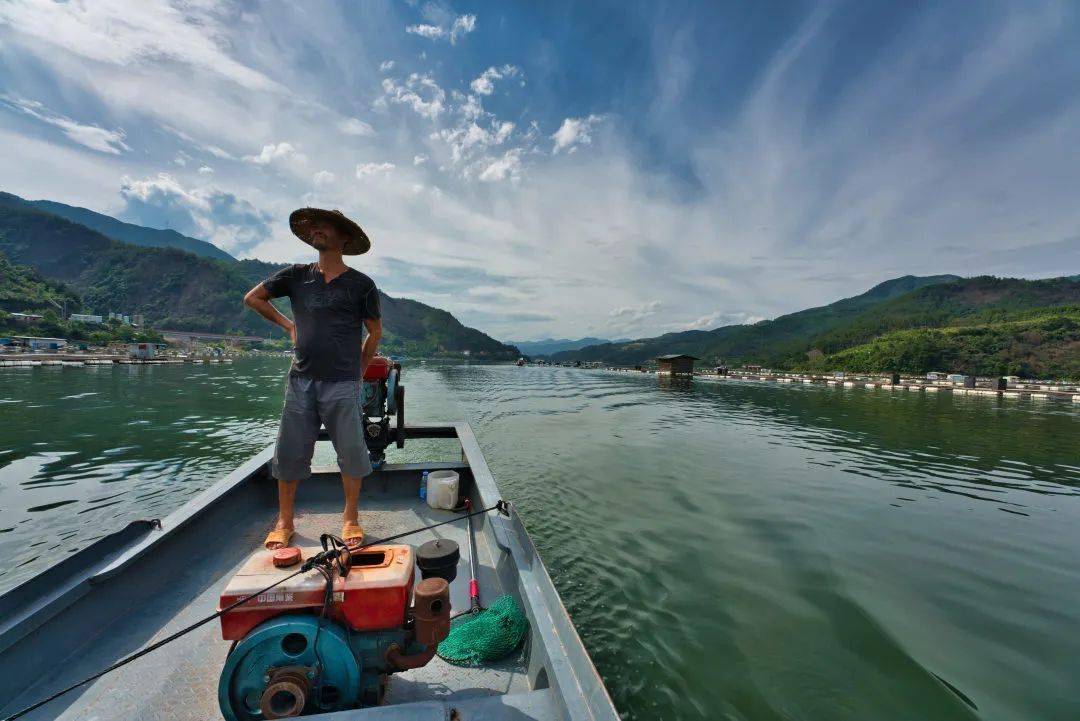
289, 658
374, 596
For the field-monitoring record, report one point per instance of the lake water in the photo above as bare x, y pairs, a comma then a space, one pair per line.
727, 550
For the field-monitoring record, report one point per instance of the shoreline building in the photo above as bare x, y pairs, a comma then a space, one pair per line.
35, 343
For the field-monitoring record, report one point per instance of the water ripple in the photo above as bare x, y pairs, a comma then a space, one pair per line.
727, 550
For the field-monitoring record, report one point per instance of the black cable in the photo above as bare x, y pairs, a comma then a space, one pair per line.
309, 564
328, 595
502, 507
148, 649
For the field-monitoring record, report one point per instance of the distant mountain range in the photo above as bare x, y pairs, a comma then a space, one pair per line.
944, 322
548, 346
177, 289
55, 253
125, 232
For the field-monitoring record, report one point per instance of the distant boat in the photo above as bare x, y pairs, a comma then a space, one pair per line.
520, 362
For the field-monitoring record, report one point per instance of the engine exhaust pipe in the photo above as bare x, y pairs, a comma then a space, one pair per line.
431, 623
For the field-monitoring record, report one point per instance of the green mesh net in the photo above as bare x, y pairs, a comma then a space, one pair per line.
490, 635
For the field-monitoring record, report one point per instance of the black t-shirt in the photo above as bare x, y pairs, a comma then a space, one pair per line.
329, 319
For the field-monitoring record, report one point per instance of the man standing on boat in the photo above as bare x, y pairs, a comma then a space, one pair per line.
332, 304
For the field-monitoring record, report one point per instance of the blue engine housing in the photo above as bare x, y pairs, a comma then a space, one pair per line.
346, 669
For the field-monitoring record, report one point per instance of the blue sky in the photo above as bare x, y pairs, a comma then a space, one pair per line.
610, 169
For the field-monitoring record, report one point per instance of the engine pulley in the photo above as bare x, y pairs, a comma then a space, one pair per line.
275, 672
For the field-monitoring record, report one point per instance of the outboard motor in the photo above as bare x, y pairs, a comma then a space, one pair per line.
382, 396
314, 646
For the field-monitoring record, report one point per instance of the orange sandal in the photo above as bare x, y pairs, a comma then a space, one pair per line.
278, 535
352, 533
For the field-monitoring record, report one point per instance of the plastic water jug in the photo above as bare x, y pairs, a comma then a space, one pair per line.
442, 489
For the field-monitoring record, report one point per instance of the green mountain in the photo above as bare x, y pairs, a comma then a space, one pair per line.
967, 301
119, 230
771, 339
1037, 344
23, 289
176, 290
890, 325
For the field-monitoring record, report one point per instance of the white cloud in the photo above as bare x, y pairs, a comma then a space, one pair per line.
355, 126
161, 186
473, 135
219, 153
508, 166
90, 136
323, 178
419, 159
131, 34
462, 25
574, 132
503, 132
365, 169
205, 170
632, 320
717, 319
204, 147
485, 84
636, 312
466, 138
272, 152
411, 93
431, 32
386, 66
209, 213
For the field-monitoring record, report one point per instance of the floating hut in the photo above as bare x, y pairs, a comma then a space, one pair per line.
145, 351
677, 364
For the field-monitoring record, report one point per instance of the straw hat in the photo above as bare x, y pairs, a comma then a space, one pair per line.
356, 243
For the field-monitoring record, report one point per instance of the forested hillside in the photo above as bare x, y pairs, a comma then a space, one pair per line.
23, 289
119, 230
977, 325
1037, 344
768, 341
176, 290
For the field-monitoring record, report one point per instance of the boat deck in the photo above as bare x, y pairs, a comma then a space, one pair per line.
180, 582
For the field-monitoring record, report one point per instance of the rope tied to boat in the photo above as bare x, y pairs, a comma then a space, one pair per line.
327, 559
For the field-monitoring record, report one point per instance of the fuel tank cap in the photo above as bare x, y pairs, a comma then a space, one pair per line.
287, 556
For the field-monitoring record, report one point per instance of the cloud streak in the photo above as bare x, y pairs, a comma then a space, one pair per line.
799, 163
89, 136
459, 27
134, 33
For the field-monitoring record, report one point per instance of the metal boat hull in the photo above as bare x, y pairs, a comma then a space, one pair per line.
135, 587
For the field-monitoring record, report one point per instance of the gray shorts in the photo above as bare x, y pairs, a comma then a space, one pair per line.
310, 403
